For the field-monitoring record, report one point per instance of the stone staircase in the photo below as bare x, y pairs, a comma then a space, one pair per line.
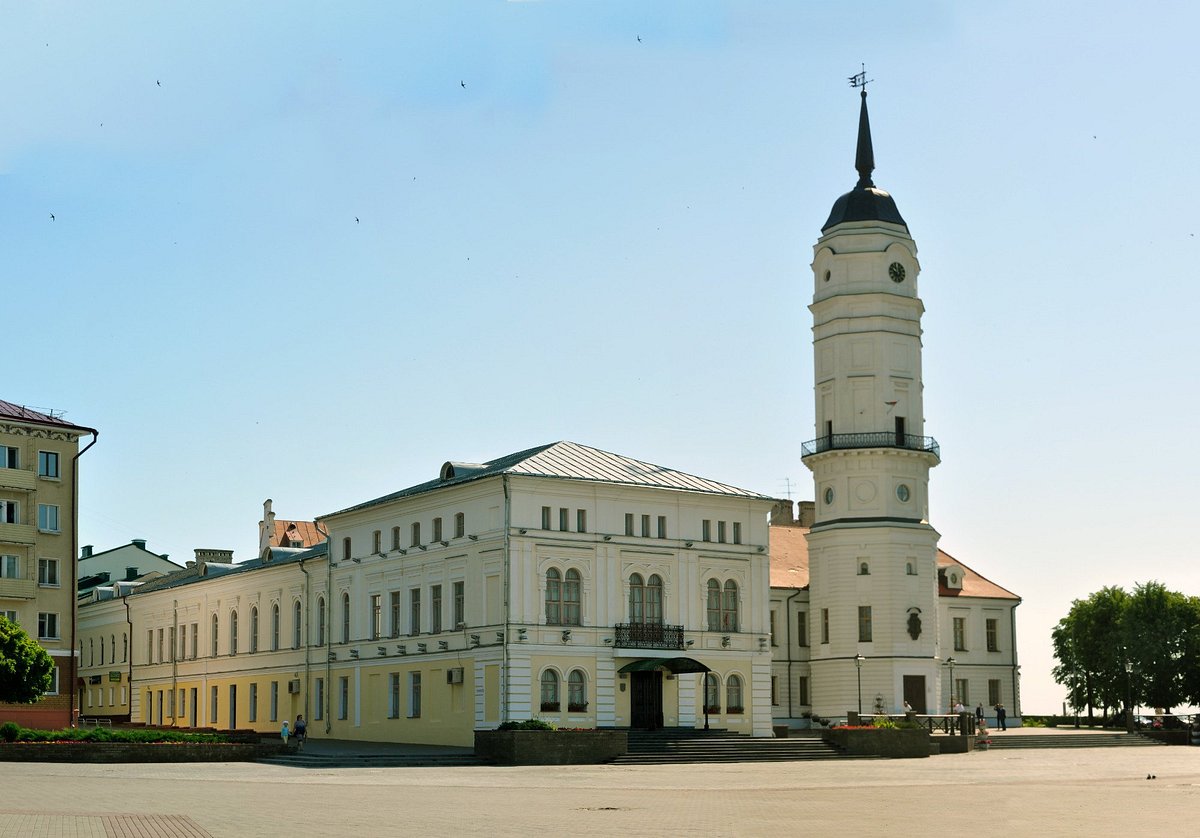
682, 745
1004, 742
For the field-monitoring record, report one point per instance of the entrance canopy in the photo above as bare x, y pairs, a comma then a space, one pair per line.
676, 666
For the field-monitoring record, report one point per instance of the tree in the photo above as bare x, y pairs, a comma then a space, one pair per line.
1158, 628
25, 667
1088, 643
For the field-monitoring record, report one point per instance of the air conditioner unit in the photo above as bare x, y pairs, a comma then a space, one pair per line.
294, 686
454, 675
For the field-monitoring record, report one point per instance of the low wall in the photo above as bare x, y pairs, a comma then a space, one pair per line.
893, 744
104, 752
550, 747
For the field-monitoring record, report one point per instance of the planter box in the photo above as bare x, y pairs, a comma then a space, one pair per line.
108, 752
894, 744
550, 747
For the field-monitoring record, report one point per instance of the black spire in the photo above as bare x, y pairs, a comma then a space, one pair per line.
864, 159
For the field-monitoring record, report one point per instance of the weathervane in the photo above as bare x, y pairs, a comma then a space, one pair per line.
860, 79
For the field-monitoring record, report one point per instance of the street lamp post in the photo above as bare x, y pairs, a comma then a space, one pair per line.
950, 663
1129, 696
858, 662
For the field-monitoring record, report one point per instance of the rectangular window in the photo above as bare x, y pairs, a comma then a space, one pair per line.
48, 464
9, 615
581, 520
960, 634
460, 604
802, 629
802, 690
545, 517
435, 609
161, 657
48, 573
376, 616
662, 526
212, 706
629, 523
737, 532
564, 519
170, 645
993, 692
394, 695
395, 609
319, 699
9, 512
773, 643
150, 646
414, 611
706, 530
346, 548
47, 517
645, 526
195, 650
8, 456
721, 532
183, 642
395, 538
414, 695
343, 697
460, 525
377, 542
274, 701
254, 702
774, 691
864, 624
824, 625
47, 625
416, 534
960, 690
10, 567
993, 643
53, 690
437, 529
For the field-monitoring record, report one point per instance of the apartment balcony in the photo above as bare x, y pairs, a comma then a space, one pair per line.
877, 439
18, 534
20, 479
18, 589
648, 636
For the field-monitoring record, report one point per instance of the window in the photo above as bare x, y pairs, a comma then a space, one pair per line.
435, 609
712, 693
91, 653
161, 657
460, 604
706, 530
662, 526
47, 517
714, 605
345, 618
993, 644
550, 702
864, 569
233, 634
212, 706
576, 692
343, 697
733, 694
274, 626
414, 611
802, 689
9, 615
253, 702
416, 534
297, 624
395, 538
864, 624
629, 523
321, 621
909, 569
564, 519
346, 549
8, 456
10, 567
47, 464
195, 650
377, 542
960, 688
802, 628
774, 691
394, 695
102, 651
10, 513
729, 607
274, 701
824, 625
253, 628
376, 616
645, 599
319, 699
437, 529
545, 517
960, 634
414, 695
645, 526
170, 646
53, 690
215, 632
581, 520
394, 603
562, 598
460, 524
737, 532
182, 644
993, 692
773, 643
721, 532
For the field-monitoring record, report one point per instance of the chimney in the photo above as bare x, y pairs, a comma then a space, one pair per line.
138, 542
808, 513
86, 552
213, 555
781, 514
189, 565
130, 574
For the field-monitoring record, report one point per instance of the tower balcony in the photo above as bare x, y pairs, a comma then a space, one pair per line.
875, 439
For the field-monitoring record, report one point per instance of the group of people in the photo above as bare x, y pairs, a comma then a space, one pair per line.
298, 731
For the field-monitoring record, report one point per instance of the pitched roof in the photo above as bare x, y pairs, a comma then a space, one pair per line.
197, 573
566, 461
8, 410
303, 531
789, 567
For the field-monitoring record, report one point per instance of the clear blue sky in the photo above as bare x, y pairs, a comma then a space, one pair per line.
607, 241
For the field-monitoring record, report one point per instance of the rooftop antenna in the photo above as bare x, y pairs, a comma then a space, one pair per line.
787, 482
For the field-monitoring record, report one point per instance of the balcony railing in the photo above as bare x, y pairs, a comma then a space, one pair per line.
648, 636
877, 439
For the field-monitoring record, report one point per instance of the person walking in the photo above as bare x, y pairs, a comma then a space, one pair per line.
285, 733
1001, 716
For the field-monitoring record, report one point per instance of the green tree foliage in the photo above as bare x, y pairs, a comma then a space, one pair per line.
1088, 644
25, 667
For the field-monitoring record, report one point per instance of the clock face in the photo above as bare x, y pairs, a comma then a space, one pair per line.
902, 493
828, 496
896, 272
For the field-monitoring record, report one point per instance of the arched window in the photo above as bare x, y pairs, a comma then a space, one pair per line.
215, 626
102, 651
909, 569
729, 607
714, 605
275, 627
233, 633
321, 621
562, 598
712, 693
345, 618
733, 694
112, 644
576, 692
654, 600
124, 647
297, 622
571, 615
553, 597
550, 701
92, 652
864, 569
637, 599
254, 628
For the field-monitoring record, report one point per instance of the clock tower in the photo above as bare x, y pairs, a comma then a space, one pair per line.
872, 552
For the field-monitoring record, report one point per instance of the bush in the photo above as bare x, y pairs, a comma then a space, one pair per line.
9, 731
884, 723
527, 724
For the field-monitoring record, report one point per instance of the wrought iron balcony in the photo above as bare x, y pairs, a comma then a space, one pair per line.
648, 636
877, 439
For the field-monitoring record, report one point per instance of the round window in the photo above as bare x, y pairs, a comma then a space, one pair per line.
828, 496
902, 493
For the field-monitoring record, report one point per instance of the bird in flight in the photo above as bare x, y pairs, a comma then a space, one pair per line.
156, 81
639, 39
51, 216
356, 219
463, 83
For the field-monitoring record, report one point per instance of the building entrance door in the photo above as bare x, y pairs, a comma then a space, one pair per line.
914, 692
645, 700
